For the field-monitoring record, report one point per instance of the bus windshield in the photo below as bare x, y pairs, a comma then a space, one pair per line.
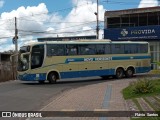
37, 56
23, 58
23, 62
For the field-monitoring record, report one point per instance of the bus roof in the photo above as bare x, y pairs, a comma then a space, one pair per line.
102, 41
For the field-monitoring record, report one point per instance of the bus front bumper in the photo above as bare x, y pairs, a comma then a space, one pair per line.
32, 77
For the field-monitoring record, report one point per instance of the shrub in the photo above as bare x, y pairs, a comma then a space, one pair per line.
158, 63
142, 86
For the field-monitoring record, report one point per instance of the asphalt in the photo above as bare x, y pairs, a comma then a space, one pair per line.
92, 96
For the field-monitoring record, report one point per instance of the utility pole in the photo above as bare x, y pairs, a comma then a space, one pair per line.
16, 37
14, 58
97, 29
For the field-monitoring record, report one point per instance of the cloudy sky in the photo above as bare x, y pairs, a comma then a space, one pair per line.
51, 18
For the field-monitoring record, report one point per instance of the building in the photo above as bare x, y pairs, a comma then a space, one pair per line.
5, 57
140, 24
66, 38
7, 69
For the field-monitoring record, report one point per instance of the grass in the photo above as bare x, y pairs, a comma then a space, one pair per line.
154, 72
129, 94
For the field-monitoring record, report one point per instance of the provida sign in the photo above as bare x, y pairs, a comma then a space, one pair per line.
133, 33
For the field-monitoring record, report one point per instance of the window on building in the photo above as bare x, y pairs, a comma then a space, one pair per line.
113, 22
134, 20
143, 19
153, 18
125, 21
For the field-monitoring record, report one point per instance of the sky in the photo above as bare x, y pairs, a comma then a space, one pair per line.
52, 18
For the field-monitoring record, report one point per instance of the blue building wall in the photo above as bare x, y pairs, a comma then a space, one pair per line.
133, 33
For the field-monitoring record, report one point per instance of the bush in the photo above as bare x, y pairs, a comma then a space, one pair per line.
158, 63
142, 86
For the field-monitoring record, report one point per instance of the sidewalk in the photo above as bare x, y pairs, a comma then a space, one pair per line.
105, 96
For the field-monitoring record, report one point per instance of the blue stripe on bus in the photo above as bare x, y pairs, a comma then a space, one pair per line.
87, 73
130, 57
142, 69
75, 74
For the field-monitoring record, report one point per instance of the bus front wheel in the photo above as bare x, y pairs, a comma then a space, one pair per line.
52, 77
119, 73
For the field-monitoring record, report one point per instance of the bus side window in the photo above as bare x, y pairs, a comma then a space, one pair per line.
55, 50
100, 49
71, 50
131, 49
107, 49
142, 48
117, 48
86, 49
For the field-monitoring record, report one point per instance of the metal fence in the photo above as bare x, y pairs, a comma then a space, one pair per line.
7, 71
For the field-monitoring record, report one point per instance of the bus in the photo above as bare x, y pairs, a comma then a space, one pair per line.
55, 60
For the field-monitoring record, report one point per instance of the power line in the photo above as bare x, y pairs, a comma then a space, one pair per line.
55, 33
46, 32
90, 22
50, 22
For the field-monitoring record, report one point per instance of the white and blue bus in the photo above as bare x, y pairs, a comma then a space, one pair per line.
56, 60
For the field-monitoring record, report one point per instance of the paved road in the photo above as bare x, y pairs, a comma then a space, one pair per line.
66, 94
27, 96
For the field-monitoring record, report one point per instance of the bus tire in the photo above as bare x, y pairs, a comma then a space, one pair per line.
129, 72
105, 77
119, 73
52, 77
41, 81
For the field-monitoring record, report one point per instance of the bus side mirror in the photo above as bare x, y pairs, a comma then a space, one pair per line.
11, 58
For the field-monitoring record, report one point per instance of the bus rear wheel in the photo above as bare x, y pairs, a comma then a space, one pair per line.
52, 78
119, 73
129, 72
